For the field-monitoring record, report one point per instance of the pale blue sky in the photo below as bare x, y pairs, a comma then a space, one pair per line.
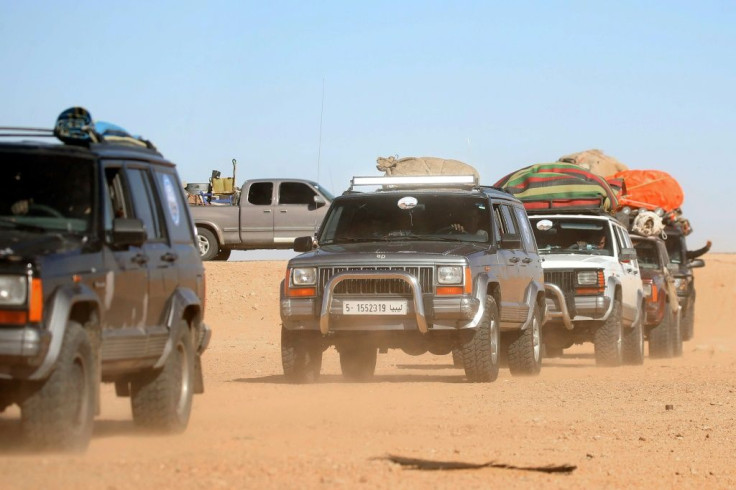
499, 85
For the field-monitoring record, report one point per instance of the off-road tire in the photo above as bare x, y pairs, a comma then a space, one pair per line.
525, 348
481, 353
676, 335
457, 358
161, 399
207, 242
57, 413
660, 337
633, 342
608, 339
222, 255
358, 362
687, 322
301, 356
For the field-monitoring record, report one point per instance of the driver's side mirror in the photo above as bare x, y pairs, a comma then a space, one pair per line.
304, 244
128, 232
319, 201
696, 263
510, 241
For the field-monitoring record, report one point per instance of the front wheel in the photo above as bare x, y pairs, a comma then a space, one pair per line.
161, 399
207, 241
608, 339
301, 356
633, 348
57, 413
481, 353
687, 321
525, 349
660, 337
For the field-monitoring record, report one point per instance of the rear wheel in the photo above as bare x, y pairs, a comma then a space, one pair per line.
687, 322
633, 348
57, 413
207, 241
525, 348
358, 362
660, 342
608, 339
301, 356
161, 399
676, 334
481, 353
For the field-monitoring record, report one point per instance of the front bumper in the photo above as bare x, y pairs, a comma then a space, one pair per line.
22, 350
586, 307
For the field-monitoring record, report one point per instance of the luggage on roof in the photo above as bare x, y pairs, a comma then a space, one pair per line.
650, 189
559, 185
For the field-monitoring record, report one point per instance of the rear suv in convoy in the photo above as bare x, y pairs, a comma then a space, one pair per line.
683, 266
594, 290
422, 264
100, 280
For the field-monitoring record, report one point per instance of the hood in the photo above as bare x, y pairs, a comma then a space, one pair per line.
395, 250
575, 261
25, 246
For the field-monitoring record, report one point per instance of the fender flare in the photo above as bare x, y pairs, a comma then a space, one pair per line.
480, 293
60, 304
210, 225
612, 284
532, 293
181, 300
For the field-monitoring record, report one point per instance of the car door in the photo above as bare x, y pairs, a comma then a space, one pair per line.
530, 266
256, 214
630, 278
512, 292
297, 213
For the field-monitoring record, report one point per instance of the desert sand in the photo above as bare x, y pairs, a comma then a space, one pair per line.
252, 430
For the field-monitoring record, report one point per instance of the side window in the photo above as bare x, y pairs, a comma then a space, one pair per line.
145, 203
497, 223
296, 193
620, 242
509, 222
527, 237
174, 206
260, 193
117, 203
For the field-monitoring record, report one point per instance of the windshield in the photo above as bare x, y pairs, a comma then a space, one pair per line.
324, 192
409, 216
675, 245
647, 254
573, 236
46, 193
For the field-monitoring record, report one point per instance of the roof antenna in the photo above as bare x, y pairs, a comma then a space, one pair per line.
321, 113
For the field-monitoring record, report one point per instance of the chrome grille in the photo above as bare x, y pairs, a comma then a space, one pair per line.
425, 276
565, 280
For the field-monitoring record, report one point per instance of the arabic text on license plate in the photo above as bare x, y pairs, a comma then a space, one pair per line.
374, 307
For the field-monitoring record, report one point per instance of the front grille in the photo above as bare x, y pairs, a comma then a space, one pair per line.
565, 280
425, 276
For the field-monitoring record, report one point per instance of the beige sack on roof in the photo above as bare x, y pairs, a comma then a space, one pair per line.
424, 166
595, 161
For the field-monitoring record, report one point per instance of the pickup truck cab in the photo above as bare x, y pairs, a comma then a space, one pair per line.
594, 288
267, 214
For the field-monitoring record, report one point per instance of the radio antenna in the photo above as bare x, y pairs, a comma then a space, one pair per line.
321, 113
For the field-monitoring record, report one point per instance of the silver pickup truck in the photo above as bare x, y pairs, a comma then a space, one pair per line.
267, 214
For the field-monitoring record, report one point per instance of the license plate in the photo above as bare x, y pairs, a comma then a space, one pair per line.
386, 307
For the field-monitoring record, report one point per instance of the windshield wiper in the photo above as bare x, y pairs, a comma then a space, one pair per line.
22, 226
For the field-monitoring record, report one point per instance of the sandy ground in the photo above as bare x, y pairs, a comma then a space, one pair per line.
251, 430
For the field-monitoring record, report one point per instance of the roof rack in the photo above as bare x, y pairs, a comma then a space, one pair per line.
417, 181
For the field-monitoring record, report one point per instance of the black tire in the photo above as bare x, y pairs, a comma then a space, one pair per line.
660, 342
223, 254
525, 349
481, 353
161, 399
207, 241
608, 339
633, 342
301, 356
457, 358
687, 322
57, 414
676, 335
358, 362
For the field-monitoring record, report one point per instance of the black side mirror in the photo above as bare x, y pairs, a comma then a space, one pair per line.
510, 240
696, 263
303, 244
128, 231
319, 201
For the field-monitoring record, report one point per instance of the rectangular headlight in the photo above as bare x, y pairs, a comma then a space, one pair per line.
588, 278
450, 274
304, 276
13, 290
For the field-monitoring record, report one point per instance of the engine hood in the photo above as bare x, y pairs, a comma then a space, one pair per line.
388, 251
576, 261
26, 246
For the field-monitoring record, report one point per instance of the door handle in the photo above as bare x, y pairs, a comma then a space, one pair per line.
139, 259
514, 260
526, 260
169, 257
266, 210
283, 211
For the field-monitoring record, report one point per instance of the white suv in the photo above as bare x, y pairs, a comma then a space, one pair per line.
593, 286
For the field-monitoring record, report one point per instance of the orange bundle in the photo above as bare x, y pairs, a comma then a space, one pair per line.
649, 189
